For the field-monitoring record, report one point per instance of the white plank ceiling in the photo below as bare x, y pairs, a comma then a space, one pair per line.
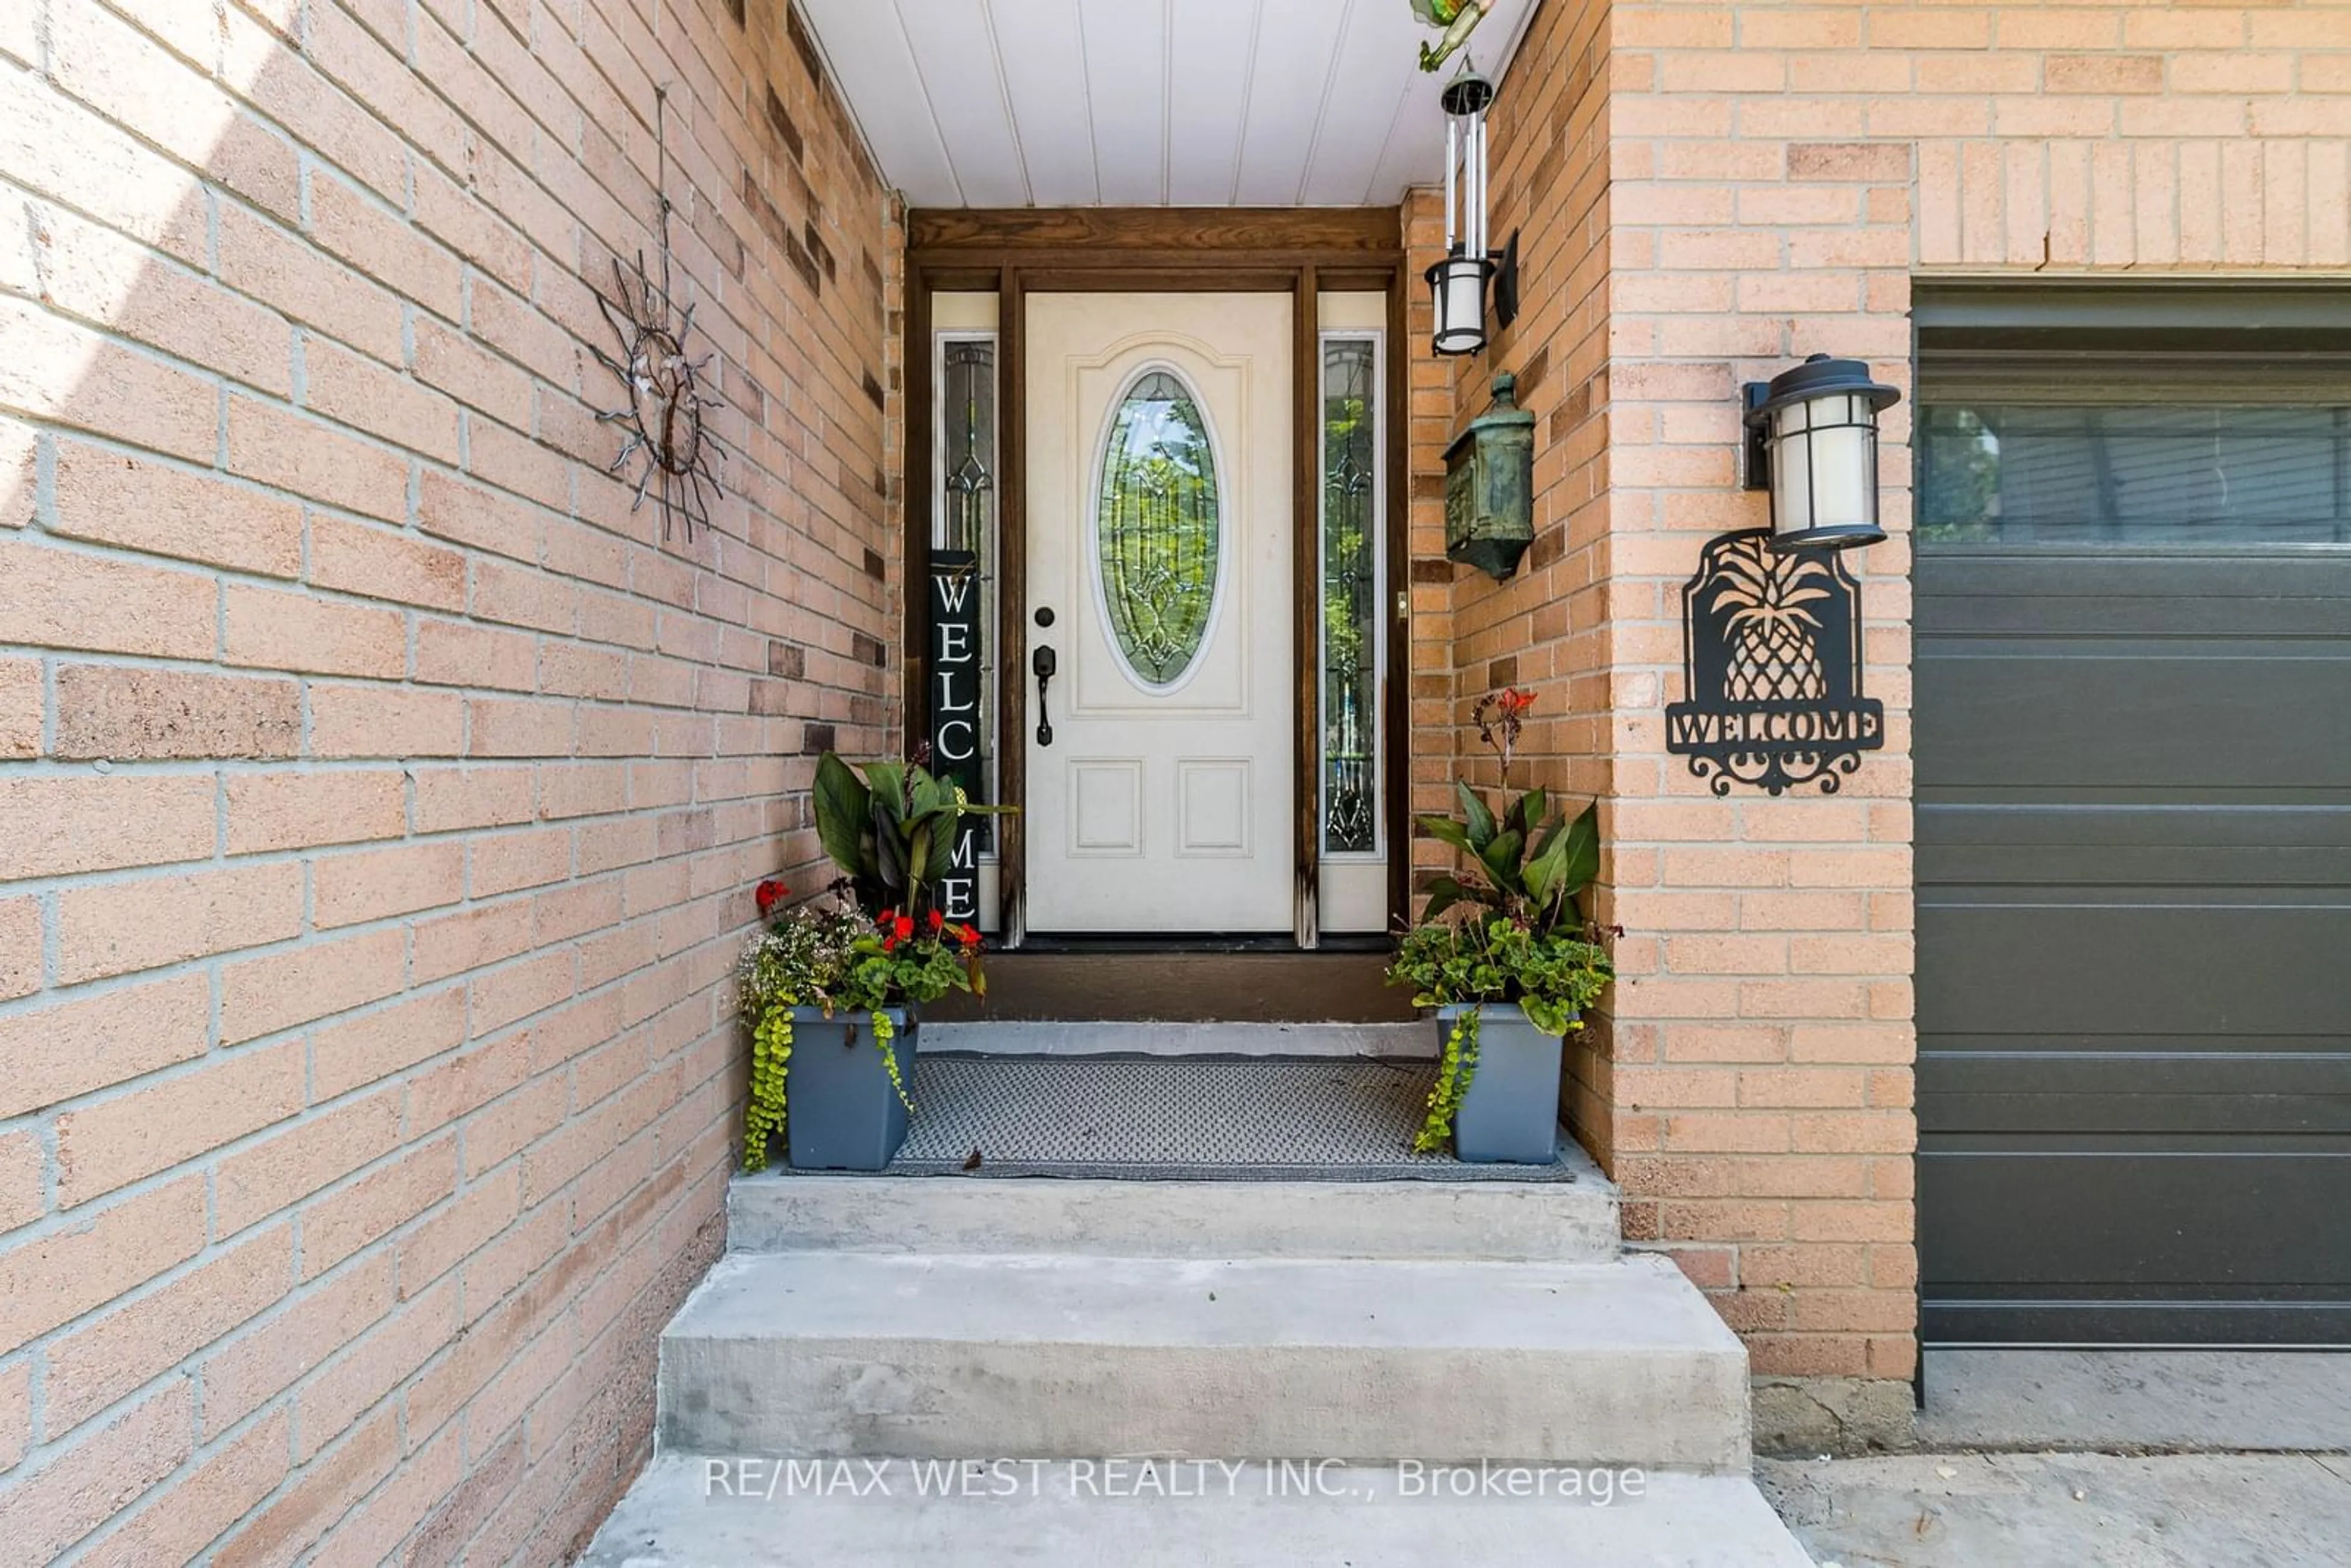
1066, 103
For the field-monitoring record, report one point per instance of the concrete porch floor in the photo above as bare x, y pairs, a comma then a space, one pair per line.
2121, 1459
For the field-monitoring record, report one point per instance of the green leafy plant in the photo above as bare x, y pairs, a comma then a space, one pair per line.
1527, 864
1463, 963
1507, 930
892, 831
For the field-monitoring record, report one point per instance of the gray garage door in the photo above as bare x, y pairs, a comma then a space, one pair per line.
2134, 786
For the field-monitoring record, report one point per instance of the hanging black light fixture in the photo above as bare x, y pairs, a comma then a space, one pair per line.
1458, 283
1811, 442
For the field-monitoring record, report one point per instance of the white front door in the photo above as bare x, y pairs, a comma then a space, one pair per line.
1159, 576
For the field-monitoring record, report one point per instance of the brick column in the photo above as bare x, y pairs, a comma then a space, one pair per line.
1780, 173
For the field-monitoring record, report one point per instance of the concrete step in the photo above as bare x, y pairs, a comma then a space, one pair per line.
1499, 1221
1040, 1356
1060, 1037
676, 1517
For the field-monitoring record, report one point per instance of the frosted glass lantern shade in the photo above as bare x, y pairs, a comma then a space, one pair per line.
1457, 285
1813, 444
1825, 465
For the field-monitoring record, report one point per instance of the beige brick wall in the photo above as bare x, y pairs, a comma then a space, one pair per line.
382, 790
1776, 176
1780, 173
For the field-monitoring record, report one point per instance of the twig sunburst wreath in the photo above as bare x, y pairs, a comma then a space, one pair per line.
666, 417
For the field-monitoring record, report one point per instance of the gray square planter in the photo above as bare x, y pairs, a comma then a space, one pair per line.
1510, 1114
840, 1111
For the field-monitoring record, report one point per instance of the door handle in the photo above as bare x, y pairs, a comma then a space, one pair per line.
1044, 663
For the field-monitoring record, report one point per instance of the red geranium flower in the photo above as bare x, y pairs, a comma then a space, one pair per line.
895, 928
938, 920
967, 934
767, 892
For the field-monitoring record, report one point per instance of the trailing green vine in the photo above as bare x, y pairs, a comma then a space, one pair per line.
884, 1033
801, 957
772, 1055
1453, 1076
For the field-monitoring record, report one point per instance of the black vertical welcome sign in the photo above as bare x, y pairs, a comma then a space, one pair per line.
956, 733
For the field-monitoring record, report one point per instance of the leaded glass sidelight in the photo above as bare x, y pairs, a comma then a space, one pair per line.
964, 520
1157, 529
967, 396
1351, 532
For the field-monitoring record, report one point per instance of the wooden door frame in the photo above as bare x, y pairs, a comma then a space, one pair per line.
1302, 251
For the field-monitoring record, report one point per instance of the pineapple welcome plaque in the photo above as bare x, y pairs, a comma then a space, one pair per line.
1771, 668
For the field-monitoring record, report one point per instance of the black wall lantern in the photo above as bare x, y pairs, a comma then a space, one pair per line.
1458, 283
1811, 440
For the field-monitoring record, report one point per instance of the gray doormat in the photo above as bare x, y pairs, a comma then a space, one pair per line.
1186, 1118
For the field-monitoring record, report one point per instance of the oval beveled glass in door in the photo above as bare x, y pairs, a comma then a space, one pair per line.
1158, 533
